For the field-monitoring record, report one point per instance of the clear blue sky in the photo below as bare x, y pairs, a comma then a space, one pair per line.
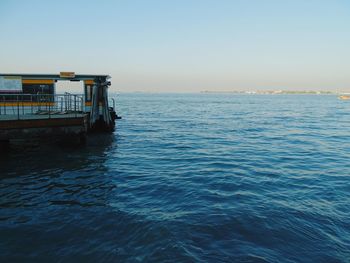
183, 45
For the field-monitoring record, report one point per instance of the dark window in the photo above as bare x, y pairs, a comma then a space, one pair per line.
38, 89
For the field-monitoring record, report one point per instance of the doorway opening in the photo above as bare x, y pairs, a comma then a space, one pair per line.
66, 86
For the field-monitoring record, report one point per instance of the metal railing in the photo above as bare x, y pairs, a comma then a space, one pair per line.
21, 106
113, 103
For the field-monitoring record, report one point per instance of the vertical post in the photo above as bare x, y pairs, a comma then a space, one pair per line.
70, 101
31, 103
75, 105
38, 100
94, 110
22, 106
17, 108
49, 102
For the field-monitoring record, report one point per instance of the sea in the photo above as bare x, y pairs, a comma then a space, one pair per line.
187, 178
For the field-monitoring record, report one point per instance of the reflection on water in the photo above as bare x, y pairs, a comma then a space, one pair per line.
35, 174
187, 178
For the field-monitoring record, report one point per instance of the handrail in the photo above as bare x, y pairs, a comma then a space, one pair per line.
46, 105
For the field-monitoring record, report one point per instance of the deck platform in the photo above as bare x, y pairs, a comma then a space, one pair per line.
34, 125
41, 116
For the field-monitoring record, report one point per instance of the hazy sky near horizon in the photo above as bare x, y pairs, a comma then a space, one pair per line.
182, 45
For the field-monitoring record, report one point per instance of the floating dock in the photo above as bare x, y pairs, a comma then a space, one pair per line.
30, 106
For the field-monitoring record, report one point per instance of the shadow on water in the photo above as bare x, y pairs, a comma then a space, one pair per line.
51, 194
55, 203
36, 156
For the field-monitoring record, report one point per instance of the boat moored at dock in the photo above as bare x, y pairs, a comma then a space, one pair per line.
30, 106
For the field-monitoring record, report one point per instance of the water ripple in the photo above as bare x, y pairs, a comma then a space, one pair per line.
187, 178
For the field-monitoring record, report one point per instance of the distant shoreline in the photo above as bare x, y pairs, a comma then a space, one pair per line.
279, 92
260, 92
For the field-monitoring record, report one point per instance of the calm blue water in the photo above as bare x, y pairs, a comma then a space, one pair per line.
187, 178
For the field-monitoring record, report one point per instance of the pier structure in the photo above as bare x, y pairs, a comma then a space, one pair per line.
30, 106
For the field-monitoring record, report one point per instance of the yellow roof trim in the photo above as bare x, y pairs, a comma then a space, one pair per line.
89, 82
37, 81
